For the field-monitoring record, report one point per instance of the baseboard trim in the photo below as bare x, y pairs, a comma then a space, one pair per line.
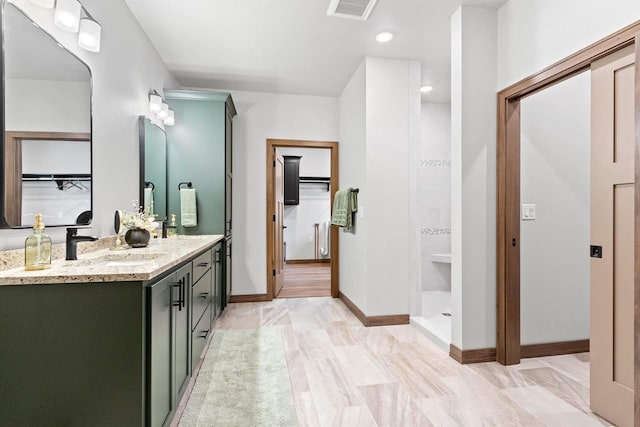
248, 298
308, 261
393, 319
554, 348
465, 357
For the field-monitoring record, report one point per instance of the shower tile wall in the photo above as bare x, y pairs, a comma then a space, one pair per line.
434, 190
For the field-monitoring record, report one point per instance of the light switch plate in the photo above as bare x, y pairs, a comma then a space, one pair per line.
528, 212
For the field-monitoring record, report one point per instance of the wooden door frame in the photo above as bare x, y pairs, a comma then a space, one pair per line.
508, 190
335, 249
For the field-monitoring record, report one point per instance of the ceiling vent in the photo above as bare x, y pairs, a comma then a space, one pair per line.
352, 9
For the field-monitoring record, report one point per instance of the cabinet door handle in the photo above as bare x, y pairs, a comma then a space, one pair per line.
180, 284
204, 334
184, 290
218, 256
204, 295
203, 264
177, 303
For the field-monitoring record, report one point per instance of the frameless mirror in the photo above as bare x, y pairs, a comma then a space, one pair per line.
46, 127
153, 169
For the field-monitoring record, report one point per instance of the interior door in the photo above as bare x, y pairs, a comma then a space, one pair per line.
612, 237
278, 228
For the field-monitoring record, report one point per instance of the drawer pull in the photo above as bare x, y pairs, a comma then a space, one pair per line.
204, 295
203, 264
204, 334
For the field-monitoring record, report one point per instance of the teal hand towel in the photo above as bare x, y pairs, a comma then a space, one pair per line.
188, 213
345, 204
148, 200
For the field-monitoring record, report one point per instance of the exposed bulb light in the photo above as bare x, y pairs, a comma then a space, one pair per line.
164, 112
49, 4
384, 36
155, 103
171, 119
426, 88
67, 15
89, 37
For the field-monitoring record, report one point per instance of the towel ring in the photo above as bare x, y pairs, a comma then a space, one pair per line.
148, 184
188, 184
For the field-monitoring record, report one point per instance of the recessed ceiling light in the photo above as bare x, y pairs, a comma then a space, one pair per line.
384, 36
426, 88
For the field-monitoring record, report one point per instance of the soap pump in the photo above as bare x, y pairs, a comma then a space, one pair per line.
37, 248
172, 227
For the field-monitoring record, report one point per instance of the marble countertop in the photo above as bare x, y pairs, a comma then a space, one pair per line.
108, 265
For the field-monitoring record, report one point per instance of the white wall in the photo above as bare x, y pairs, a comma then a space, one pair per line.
434, 191
530, 36
555, 175
262, 116
353, 173
314, 207
534, 34
473, 185
35, 106
393, 132
124, 72
384, 244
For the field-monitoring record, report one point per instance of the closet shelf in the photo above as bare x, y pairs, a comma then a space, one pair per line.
316, 180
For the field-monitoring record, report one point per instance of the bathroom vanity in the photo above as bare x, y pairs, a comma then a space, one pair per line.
110, 339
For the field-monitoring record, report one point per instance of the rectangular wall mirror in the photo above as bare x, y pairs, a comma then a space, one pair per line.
153, 169
46, 127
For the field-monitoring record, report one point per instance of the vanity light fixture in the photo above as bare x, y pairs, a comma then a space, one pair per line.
67, 15
49, 4
384, 36
164, 111
89, 36
171, 119
155, 103
426, 88
159, 110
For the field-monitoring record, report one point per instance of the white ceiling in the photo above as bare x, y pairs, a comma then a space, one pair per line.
292, 46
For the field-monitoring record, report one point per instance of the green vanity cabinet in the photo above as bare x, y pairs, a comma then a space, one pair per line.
169, 336
104, 353
200, 150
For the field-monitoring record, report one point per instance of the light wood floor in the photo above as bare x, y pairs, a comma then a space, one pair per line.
343, 374
306, 280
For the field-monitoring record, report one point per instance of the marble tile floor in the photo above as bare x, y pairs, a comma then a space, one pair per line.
343, 374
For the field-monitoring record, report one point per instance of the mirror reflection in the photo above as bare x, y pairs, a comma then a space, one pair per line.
153, 168
47, 133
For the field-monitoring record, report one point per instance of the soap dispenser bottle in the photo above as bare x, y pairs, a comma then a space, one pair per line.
37, 248
172, 227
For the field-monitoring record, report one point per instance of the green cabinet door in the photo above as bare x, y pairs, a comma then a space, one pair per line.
196, 154
159, 363
217, 283
182, 332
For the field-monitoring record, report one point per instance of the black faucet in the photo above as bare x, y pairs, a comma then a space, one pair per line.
72, 243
